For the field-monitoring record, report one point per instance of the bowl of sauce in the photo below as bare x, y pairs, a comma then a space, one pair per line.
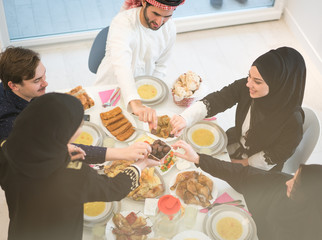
95, 211
203, 136
149, 89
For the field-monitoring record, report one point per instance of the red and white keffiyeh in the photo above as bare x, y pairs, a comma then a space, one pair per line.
128, 4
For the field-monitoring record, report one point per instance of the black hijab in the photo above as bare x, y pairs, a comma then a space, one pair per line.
284, 71
37, 145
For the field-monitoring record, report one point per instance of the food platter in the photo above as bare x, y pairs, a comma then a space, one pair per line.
110, 225
213, 223
94, 131
110, 209
220, 138
214, 192
190, 234
160, 86
129, 117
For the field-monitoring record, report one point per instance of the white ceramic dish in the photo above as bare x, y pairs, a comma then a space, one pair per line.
95, 131
249, 231
165, 89
214, 192
155, 84
114, 207
110, 225
211, 128
189, 234
108, 206
217, 148
129, 117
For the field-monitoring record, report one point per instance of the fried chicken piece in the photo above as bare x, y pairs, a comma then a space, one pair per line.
181, 189
121, 223
204, 180
191, 186
189, 198
182, 177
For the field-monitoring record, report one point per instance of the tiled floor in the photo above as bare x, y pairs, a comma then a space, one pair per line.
219, 56
29, 18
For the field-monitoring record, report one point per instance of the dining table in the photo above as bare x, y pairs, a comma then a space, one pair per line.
167, 106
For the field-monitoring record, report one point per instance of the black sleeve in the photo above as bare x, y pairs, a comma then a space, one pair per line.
103, 188
236, 175
227, 97
93, 154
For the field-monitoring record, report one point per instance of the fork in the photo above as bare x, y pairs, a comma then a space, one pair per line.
205, 210
113, 98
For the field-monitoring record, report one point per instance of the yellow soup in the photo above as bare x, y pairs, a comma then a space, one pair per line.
84, 138
229, 228
93, 209
203, 137
147, 91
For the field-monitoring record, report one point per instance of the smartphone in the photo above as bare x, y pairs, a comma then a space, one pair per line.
87, 117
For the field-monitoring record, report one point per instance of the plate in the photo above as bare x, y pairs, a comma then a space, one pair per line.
191, 234
95, 131
217, 147
110, 225
162, 182
155, 84
168, 168
129, 117
159, 114
218, 213
214, 192
113, 207
165, 89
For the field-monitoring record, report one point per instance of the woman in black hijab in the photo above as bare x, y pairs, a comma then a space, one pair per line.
45, 190
283, 206
269, 118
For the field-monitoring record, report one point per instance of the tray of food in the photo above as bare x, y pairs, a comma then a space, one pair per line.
82, 95
118, 124
151, 182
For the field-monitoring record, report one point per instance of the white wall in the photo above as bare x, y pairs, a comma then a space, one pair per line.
305, 20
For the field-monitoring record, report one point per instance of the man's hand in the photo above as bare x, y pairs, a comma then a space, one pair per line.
144, 113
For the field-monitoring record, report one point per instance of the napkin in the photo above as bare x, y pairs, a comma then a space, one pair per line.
225, 197
105, 96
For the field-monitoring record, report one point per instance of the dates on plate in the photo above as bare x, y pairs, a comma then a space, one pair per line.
159, 150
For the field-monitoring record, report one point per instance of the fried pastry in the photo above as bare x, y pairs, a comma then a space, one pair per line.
117, 124
112, 120
81, 94
126, 135
111, 114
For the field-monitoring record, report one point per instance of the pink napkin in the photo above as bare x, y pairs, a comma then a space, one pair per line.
105, 96
225, 197
210, 119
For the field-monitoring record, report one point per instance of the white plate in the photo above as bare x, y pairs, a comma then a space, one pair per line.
169, 139
218, 148
214, 192
95, 131
129, 117
110, 225
165, 89
114, 208
191, 234
222, 211
154, 83
213, 130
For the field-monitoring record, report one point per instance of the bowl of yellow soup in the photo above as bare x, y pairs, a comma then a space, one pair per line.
91, 135
96, 211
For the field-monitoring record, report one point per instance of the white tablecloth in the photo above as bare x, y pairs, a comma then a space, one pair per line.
167, 106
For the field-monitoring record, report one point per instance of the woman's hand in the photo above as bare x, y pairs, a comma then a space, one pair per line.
134, 152
147, 162
244, 162
75, 152
144, 113
178, 124
189, 154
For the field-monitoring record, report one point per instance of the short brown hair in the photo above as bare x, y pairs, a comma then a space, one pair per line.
17, 64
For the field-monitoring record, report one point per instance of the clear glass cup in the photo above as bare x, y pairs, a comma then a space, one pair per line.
190, 215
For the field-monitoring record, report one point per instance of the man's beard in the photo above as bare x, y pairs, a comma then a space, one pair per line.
148, 22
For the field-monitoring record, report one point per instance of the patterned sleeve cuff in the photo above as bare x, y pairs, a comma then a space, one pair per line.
134, 174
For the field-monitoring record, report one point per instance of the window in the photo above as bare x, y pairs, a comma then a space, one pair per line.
33, 22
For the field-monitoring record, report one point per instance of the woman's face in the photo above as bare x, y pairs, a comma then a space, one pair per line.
290, 184
256, 84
